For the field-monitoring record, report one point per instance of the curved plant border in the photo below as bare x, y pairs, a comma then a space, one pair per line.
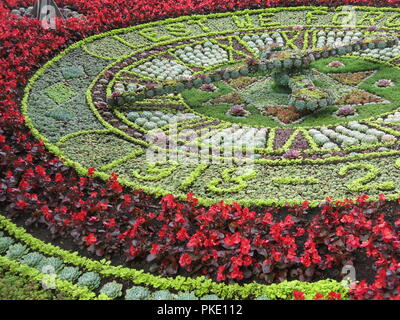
200, 286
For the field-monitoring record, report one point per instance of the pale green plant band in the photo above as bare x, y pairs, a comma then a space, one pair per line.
62, 286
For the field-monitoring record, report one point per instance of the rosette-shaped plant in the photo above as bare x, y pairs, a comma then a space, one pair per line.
112, 289
209, 87
137, 293
16, 251
389, 138
162, 295
292, 154
5, 243
70, 274
90, 280
50, 265
238, 111
32, 259
336, 64
384, 83
185, 296
346, 111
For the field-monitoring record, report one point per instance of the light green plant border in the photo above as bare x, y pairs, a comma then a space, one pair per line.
200, 285
62, 286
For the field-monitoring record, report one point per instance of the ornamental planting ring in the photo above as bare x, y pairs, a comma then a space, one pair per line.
237, 106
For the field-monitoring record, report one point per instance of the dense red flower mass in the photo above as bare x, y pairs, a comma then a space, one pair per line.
268, 245
90, 239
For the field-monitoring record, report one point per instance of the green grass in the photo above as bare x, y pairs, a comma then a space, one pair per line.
14, 287
195, 97
350, 65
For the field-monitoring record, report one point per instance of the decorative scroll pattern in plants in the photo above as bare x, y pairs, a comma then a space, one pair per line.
331, 132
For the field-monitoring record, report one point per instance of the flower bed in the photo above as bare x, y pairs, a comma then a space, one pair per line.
132, 83
65, 105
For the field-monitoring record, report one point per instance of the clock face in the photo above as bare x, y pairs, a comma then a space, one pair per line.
237, 138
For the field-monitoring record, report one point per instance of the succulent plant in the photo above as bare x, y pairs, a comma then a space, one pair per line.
112, 289
373, 28
300, 105
137, 293
384, 83
5, 243
262, 298
209, 87
185, 296
32, 259
348, 141
288, 63
388, 138
210, 297
330, 145
70, 274
132, 116
90, 280
16, 251
162, 295
292, 154
206, 54
382, 44
346, 111
235, 74
358, 126
238, 111
321, 139
197, 83
262, 67
150, 125
244, 71
140, 121
52, 264
375, 132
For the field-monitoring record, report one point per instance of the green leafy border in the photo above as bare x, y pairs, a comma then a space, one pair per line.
200, 286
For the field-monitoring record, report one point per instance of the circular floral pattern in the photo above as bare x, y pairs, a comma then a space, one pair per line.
152, 143
220, 241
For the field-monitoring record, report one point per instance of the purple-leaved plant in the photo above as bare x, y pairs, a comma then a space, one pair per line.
237, 111
346, 111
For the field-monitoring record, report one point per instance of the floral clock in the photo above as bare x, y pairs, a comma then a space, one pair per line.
233, 124
295, 156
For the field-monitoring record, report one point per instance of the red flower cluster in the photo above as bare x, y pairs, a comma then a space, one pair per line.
298, 295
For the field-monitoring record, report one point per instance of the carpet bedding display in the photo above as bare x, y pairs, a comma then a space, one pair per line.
275, 129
